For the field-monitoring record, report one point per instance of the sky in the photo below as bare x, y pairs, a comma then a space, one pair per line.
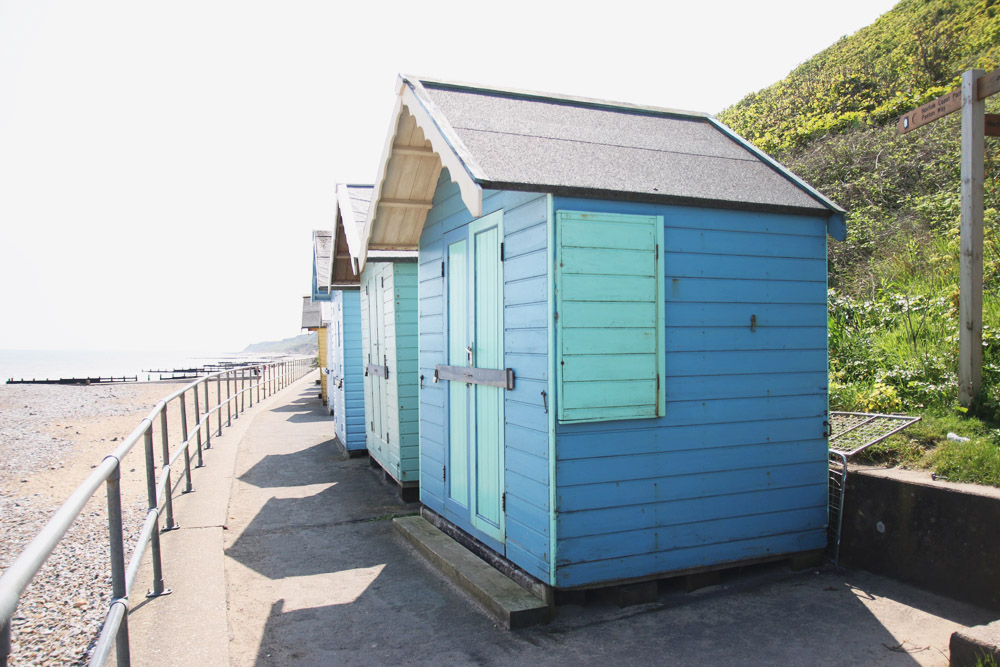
162, 164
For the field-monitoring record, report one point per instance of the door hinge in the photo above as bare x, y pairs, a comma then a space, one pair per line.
657, 382
442, 269
373, 426
383, 281
444, 473
387, 437
656, 254
503, 501
501, 252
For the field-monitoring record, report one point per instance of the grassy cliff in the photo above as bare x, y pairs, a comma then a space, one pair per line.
302, 344
894, 283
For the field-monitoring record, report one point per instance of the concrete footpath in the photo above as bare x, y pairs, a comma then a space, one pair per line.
287, 555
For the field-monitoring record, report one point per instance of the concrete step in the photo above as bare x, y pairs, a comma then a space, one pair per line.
978, 645
503, 599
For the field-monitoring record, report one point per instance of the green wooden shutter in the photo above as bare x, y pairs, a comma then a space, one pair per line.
609, 316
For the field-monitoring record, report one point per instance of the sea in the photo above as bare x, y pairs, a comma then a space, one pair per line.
56, 364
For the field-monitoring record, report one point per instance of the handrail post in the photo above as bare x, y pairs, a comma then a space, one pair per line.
243, 388
251, 387
168, 500
229, 400
4, 643
197, 426
117, 548
208, 418
218, 402
154, 541
187, 445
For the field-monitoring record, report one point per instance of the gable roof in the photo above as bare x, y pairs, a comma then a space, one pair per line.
516, 140
352, 209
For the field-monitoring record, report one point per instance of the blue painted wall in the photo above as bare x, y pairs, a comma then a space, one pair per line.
348, 401
525, 317
737, 466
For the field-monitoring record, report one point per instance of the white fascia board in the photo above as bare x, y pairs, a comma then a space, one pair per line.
383, 168
462, 168
352, 228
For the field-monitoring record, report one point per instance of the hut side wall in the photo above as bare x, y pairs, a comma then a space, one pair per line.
348, 400
321, 342
526, 465
737, 467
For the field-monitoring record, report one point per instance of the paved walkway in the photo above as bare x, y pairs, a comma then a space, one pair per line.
287, 556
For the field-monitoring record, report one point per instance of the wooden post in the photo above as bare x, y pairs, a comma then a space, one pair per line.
970, 334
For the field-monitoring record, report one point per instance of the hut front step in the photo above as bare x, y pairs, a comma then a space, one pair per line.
503, 599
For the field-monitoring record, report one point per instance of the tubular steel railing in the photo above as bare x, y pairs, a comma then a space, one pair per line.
261, 380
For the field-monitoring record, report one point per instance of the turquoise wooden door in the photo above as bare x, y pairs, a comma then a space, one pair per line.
475, 338
458, 393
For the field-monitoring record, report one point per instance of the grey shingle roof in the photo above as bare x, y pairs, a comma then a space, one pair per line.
532, 141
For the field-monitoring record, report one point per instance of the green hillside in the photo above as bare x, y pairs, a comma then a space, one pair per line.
894, 283
303, 344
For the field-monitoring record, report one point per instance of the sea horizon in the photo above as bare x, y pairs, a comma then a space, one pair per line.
56, 364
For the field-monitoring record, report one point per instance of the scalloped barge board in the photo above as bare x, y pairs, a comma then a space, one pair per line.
502, 598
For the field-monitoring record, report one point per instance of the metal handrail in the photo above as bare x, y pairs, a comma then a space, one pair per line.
267, 379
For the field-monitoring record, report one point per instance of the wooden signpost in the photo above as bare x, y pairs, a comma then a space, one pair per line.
976, 125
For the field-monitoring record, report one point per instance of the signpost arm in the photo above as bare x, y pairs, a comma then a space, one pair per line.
970, 333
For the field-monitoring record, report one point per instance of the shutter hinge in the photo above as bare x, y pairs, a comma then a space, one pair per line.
657, 382
501, 252
503, 501
383, 281
656, 254
387, 437
442, 269
373, 426
444, 473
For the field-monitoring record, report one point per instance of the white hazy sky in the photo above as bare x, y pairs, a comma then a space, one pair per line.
162, 163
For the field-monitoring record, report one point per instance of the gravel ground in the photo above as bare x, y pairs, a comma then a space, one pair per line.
50, 438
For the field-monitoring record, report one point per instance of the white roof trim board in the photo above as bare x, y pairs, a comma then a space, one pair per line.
506, 139
352, 204
322, 258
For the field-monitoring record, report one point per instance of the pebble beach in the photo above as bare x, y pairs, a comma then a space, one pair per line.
51, 437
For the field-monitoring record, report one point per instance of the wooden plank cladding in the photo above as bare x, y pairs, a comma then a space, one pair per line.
491, 377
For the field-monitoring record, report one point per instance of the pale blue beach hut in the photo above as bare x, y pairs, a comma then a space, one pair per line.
622, 332
346, 375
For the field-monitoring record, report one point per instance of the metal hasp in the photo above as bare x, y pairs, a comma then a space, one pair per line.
491, 377
854, 432
375, 369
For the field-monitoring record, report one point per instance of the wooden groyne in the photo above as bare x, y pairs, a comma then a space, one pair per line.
84, 381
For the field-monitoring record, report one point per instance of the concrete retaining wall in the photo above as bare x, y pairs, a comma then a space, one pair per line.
944, 538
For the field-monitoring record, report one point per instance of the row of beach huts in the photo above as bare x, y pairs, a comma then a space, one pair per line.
590, 336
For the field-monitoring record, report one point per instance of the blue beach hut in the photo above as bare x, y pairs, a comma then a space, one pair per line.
622, 332
345, 375
388, 353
